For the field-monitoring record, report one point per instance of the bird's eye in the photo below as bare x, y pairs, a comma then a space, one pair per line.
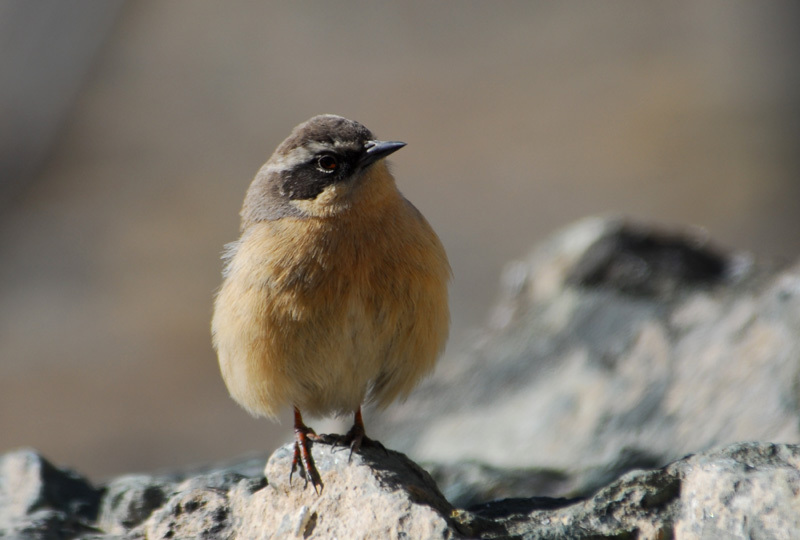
327, 163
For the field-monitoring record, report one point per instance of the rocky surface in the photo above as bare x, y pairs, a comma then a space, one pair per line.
741, 491
616, 345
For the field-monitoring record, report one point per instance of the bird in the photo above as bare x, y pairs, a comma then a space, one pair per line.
335, 295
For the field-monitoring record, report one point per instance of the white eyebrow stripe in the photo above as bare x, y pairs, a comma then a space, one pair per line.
315, 147
288, 162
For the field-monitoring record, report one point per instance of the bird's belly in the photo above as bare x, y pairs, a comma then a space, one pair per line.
340, 357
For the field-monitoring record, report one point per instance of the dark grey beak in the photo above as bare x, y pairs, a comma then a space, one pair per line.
375, 150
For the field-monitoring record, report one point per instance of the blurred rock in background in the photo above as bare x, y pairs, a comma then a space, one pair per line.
616, 345
124, 179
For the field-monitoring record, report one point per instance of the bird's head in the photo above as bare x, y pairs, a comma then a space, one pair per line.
328, 165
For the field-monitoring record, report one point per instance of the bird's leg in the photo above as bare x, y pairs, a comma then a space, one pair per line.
357, 436
302, 459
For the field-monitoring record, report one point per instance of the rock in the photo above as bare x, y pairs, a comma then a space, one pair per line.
615, 345
37, 500
467, 483
749, 490
742, 491
129, 501
376, 494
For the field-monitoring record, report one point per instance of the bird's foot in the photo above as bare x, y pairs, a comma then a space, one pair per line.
356, 438
302, 460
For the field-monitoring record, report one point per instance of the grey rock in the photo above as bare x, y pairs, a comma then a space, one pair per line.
40, 501
615, 344
129, 501
747, 490
376, 494
467, 483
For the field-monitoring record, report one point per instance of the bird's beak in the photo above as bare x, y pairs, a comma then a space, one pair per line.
375, 150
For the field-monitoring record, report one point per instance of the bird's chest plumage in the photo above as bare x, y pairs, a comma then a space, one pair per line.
340, 297
332, 312
346, 279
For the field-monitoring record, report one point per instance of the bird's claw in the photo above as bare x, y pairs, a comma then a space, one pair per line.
302, 460
356, 438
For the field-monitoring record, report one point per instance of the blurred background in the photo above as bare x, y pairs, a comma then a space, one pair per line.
129, 132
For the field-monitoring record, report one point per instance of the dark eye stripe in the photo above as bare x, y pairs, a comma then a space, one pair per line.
306, 183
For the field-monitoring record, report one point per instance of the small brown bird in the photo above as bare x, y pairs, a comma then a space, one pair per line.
336, 292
